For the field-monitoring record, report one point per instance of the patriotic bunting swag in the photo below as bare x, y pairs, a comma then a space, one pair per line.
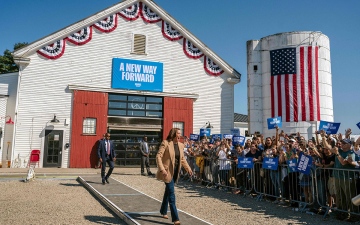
148, 15
191, 50
107, 25
169, 32
211, 67
131, 13
81, 37
53, 51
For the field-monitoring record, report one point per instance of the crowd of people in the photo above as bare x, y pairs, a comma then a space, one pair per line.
332, 182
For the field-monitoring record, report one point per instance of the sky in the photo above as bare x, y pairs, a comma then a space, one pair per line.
224, 26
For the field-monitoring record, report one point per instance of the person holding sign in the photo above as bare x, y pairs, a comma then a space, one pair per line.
169, 160
255, 154
344, 186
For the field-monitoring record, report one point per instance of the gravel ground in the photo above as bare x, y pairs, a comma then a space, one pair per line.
220, 207
49, 201
52, 201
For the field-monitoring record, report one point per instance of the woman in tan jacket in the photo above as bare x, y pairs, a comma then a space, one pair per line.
169, 159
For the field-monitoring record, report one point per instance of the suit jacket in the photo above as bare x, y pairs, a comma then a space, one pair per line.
102, 149
143, 148
165, 160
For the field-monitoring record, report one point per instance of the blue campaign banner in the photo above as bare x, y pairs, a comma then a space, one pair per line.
227, 136
270, 163
304, 163
137, 75
329, 127
194, 137
238, 140
292, 165
274, 122
205, 132
245, 163
358, 125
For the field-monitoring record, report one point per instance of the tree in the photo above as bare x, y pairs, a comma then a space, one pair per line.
7, 64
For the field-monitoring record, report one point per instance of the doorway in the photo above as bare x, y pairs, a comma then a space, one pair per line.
53, 148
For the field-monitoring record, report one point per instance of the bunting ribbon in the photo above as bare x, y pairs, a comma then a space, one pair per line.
107, 25
53, 51
130, 13
211, 67
148, 15
191, 50
81, 37
169, 32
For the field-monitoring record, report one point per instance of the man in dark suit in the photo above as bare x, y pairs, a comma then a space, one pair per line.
106, 154
145, 152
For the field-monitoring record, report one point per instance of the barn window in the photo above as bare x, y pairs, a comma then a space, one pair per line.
89, 126
139, 44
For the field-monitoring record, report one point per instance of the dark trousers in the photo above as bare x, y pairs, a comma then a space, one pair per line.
145, 162
169, 199
110, 162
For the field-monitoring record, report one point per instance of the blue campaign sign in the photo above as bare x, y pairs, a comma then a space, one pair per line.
292, 165
329, 127
245, 163
205, 132
137, 75
270, 163
194, 137
235, 131
304, 163
216, 136
228, 136
358, 125
238, 140
274, 122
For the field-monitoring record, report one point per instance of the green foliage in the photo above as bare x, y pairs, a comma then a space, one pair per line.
7, 64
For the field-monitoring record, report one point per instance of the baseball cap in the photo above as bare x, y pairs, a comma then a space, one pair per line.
346, 141
292, 139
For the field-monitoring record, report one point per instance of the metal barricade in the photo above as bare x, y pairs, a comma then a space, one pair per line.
335, 188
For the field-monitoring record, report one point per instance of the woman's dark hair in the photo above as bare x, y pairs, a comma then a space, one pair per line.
172, 134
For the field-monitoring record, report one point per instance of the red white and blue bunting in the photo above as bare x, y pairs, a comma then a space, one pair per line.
54, 50
191, 50
211, 67
131, 13
169, 32
108, 24
81, 37
148, 15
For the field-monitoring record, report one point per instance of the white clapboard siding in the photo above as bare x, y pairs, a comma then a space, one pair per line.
7, 108
43, 89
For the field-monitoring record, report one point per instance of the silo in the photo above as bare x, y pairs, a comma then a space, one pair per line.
295, 73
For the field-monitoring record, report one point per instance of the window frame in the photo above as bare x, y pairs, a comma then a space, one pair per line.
87, 127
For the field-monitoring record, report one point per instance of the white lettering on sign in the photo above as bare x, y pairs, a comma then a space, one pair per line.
137, 72
139, 77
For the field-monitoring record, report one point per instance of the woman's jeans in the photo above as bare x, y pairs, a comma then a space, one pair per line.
169, 199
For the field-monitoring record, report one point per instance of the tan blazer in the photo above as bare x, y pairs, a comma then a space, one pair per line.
165, 160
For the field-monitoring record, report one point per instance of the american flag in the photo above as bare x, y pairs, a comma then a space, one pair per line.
295, 84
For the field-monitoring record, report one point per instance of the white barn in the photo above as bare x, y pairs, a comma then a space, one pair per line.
93, 77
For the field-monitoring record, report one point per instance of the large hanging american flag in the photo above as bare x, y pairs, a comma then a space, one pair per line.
295, 84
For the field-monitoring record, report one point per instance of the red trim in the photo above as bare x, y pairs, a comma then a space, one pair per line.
166, 35
81, 42
145, 19
188, 54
